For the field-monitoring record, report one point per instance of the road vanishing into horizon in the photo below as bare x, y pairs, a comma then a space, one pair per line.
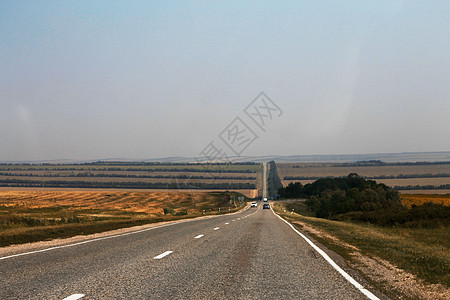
247, 255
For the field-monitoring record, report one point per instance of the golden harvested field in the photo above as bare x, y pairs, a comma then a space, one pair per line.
247, 193
141, 202
419, 199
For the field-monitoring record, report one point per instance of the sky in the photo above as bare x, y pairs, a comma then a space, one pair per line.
138, 80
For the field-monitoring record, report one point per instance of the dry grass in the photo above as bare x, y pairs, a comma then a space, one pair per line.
419, 199
141, 202
406, 263
250, 193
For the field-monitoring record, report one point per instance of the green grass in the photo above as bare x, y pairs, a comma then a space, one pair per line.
298, 207
423, 252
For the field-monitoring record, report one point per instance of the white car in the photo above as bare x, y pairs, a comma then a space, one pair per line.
254, 204
265, 199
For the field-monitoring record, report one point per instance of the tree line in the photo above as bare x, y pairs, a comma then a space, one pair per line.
423, 187
400, 176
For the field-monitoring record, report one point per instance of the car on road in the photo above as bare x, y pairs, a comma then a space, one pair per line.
265, 199
266, 206
254, 204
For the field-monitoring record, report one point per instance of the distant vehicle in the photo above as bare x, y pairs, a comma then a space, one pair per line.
254, 204
266, 206
265, 199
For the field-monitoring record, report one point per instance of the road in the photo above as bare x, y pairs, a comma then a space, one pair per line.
248, 255
264, 188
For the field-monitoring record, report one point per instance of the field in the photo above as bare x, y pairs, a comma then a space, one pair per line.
247, 193
405, 263
118, 175
406, 177
419, 199
27, 216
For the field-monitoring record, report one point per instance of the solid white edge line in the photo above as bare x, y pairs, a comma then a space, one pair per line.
331, 262
199, 236
162, 255
111, 236
74, 297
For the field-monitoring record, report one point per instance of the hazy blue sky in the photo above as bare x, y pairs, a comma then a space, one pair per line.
147, 79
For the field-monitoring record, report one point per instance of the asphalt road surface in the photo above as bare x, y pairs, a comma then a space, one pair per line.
248, 255
264, 187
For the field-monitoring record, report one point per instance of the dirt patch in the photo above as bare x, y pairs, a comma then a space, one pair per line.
391, 277
322, 234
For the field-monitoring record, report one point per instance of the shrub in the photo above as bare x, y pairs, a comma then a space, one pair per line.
168, 210
426, 215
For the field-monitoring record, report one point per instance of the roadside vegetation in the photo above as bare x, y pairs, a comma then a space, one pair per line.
354, 198
29, 216
403, 262
400, 243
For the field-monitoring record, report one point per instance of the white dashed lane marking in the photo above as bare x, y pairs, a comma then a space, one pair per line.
74, 297
227, 223
199, 236
217, 228
162, 255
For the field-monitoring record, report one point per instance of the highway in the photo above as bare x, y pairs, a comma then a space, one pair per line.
264, 187
248, 255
